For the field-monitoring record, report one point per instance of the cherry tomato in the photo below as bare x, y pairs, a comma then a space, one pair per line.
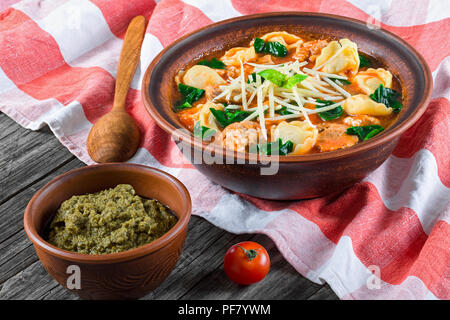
246, 262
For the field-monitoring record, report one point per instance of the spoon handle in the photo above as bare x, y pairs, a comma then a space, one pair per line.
128, 60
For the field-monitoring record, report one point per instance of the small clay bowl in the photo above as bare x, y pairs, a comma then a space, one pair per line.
125, 275
302, 176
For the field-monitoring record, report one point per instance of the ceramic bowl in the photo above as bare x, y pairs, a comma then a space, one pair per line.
303, 176
125, 275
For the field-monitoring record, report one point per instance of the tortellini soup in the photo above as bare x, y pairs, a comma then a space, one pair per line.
287, 94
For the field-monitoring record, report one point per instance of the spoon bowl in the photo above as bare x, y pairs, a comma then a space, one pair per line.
114, 138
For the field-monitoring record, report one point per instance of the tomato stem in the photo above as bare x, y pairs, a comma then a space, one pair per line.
251, 253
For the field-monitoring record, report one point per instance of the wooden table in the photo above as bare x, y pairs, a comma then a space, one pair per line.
29, 159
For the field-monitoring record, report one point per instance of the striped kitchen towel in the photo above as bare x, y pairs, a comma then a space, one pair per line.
57, 67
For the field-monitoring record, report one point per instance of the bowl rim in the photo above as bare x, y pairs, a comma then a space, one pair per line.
390, 134
131, 254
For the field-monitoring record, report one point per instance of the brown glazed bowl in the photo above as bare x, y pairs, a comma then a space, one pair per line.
125, 275
303, 176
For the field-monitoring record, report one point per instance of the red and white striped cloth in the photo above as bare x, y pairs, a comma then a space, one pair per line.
57, 67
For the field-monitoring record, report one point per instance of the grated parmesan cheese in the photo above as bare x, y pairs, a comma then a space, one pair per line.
297, 99
243, 88
260, 111
334, 85
320, 73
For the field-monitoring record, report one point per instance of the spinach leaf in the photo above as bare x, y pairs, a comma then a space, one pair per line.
227, 117
276, 147
237, 115
213, 63
286, 147
330, 114
190, 95
292, 81
186, 90
259, 45
220, 116
388, 97
203, 132
274, 76
183, 105
275, 48
365, 132
272, 47
363, 61
283, 111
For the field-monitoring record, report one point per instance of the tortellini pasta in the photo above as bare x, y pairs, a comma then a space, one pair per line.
368, 81
202, 77
234, 56
362, 104
206, 118
345, 62
287, 39
302, 135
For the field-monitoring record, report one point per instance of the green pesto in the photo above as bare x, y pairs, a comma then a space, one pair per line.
109, 221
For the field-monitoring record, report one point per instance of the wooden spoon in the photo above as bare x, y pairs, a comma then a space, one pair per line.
115, 136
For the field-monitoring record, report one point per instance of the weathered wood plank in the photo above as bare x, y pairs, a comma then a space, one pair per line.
324, 293
59, 293
32, 283
12, 210
26, 156
16, 254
